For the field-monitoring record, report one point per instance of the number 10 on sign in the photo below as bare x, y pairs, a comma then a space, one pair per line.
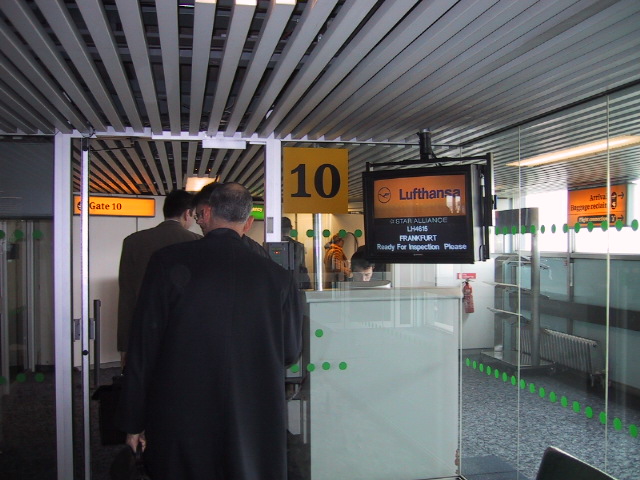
315, 180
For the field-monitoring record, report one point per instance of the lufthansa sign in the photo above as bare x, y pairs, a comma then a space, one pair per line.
117, 206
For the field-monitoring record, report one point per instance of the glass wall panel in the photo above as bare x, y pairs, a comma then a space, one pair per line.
27, 410
565, 290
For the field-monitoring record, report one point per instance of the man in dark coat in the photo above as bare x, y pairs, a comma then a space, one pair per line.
138, 247
214, 329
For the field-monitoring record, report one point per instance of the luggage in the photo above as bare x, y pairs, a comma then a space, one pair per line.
128, 466
108, 397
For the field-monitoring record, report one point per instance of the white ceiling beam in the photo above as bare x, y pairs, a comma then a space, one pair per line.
393, 44
384, 19
161, 148
60, 21
150, 161
272, 28
203, 19
177, 163
312, 19
134, 31
29, 72
96, 21
24, 20
15, 103
241, 17
341, 28
167, 11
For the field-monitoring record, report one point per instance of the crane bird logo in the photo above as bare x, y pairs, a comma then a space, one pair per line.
384, 195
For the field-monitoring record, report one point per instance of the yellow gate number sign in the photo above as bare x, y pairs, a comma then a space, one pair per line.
315, 180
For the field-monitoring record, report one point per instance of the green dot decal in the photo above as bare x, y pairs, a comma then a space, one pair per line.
326, 366
514, 380
617, 424
542, 392
619, 225
18, 234
482, 367
563, 401
553, 397
311, 367
633, 431
342, 366
634, 225
295, 368
533, 229
505, 230
576, 407
468, 362
319, 333
293, 232
514, 230
523, 229
475, 364
357, 233
604, 226
553, 228
496, 373
342, 233
505, 377
543, 229
588, 411
38, 235
523, 384
3, 380
21, 378
39, 377
488, 370
532, 388
565, 228
326, 233
603, 418
310, 233
576, 227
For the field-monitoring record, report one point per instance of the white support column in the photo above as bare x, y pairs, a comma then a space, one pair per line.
273, 191
63, 313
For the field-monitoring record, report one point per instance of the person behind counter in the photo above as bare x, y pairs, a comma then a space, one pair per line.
361, 267
336, 267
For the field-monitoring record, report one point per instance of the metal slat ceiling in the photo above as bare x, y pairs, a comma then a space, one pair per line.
348, 73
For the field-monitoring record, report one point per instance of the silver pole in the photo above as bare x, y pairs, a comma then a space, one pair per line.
535, 292
318, 251
84, 220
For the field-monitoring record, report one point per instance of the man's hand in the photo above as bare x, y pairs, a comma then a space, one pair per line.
133, 439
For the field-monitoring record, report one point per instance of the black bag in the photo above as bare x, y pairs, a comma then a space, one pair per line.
128, 466
108, 397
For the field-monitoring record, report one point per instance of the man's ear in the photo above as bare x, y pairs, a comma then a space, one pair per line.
247, 224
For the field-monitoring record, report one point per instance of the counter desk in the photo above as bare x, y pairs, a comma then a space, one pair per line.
382, 380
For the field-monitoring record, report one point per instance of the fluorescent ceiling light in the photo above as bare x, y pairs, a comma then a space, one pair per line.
206, 1
585, 150
220, 142
195, 184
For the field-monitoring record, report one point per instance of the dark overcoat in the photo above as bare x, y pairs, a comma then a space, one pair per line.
213, 331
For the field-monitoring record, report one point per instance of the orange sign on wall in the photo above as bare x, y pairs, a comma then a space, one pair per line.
593, 205
118, 206
315, 180
427, 196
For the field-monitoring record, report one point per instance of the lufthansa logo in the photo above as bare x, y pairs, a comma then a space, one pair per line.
384, 195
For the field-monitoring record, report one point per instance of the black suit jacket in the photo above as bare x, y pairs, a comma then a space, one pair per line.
137, 248
214, 329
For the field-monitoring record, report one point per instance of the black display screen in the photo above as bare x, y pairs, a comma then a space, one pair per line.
421, 215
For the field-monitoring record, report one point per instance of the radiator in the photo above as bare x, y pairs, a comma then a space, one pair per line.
569, 351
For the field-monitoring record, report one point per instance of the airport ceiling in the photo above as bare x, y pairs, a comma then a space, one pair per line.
144, 78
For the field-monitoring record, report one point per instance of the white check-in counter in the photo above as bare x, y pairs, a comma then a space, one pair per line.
383, 383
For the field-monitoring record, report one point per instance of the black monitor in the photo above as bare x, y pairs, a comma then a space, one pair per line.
426, 215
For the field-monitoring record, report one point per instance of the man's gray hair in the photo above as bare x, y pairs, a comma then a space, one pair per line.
231, 202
